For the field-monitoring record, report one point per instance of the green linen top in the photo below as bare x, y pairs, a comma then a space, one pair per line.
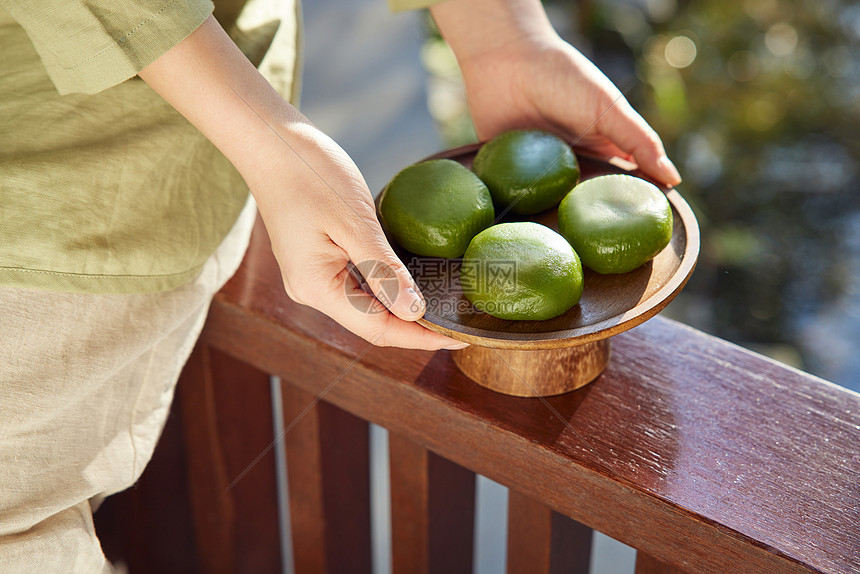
104, 187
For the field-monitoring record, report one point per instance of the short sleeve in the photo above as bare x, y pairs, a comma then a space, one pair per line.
400, 5
90, 45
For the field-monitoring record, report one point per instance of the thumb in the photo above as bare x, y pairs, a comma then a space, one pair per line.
385, 275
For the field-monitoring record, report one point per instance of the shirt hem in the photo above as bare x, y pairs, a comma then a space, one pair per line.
45, 280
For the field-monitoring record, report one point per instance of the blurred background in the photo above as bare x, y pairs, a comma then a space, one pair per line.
758, 103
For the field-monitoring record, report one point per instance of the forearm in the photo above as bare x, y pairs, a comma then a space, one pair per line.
210, 82
317, 208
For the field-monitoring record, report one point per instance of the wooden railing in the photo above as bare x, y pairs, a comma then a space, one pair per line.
701, 455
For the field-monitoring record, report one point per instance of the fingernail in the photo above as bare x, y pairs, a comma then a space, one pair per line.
456, 346
669, 170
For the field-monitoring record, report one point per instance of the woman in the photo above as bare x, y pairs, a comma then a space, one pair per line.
125, 207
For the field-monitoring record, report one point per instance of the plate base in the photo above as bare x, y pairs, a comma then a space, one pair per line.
534, 373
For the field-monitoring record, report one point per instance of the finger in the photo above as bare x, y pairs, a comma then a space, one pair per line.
603, 147
389, 281
383, 271
630, 132
365, 316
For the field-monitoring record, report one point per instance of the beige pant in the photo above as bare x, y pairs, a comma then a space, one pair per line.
86, 382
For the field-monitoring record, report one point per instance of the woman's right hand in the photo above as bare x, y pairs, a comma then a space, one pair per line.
316, 205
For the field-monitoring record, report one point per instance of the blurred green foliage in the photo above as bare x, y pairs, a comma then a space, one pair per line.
757, 102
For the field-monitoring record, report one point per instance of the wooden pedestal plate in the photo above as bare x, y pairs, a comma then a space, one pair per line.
543, 358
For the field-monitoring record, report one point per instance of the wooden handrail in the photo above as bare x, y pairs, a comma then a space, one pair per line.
701, 455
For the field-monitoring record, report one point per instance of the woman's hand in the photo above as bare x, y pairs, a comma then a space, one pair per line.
520, 74
320, 216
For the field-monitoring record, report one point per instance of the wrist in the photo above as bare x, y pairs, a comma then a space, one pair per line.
476, 28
